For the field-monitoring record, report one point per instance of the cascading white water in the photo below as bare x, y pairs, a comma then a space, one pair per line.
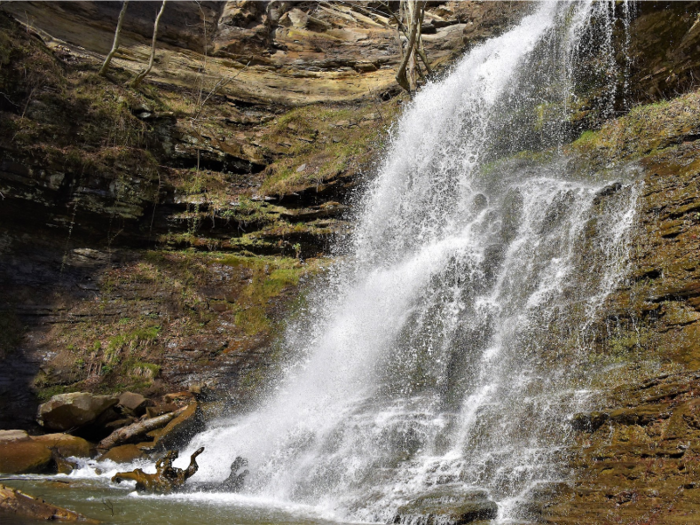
449, 348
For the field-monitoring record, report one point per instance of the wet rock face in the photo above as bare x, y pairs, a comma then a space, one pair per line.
447, 505
658, 70
641, 464
634, 459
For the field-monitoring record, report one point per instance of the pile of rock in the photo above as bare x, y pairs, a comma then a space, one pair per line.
119, 428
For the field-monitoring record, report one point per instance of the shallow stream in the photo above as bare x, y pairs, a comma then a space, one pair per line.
97, 499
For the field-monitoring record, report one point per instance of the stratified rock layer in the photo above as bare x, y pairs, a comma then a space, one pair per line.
634, 459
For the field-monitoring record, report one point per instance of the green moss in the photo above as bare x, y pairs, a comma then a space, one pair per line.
645, 130
322, 142
44, 394
148, 370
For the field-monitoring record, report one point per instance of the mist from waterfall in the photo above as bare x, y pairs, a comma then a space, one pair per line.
450, 345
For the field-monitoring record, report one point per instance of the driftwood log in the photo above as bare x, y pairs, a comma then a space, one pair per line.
125, 434
166, 478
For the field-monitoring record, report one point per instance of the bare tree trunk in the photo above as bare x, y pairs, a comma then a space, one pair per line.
115, 44
413, 23
139, 78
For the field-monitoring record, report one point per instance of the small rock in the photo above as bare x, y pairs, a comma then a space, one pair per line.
66, 445
70, 411
24, 457
366, 67
301, 168
295, 18
123, 454
63, 465
136, 403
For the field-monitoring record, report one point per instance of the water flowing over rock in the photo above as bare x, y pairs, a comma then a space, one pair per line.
449, 348
448, 505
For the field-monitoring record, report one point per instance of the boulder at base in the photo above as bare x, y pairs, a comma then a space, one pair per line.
448, 505
66, 445
69, 411
14, 503
21, 453
24, 457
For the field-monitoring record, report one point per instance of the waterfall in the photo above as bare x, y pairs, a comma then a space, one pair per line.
450, 345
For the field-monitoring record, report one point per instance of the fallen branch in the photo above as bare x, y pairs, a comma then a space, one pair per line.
136, 429
166, 477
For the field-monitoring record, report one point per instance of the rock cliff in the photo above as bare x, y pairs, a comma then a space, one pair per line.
153, 239
157, 239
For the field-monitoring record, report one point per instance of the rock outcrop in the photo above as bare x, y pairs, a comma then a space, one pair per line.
639, 462
634, 458
16, 504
